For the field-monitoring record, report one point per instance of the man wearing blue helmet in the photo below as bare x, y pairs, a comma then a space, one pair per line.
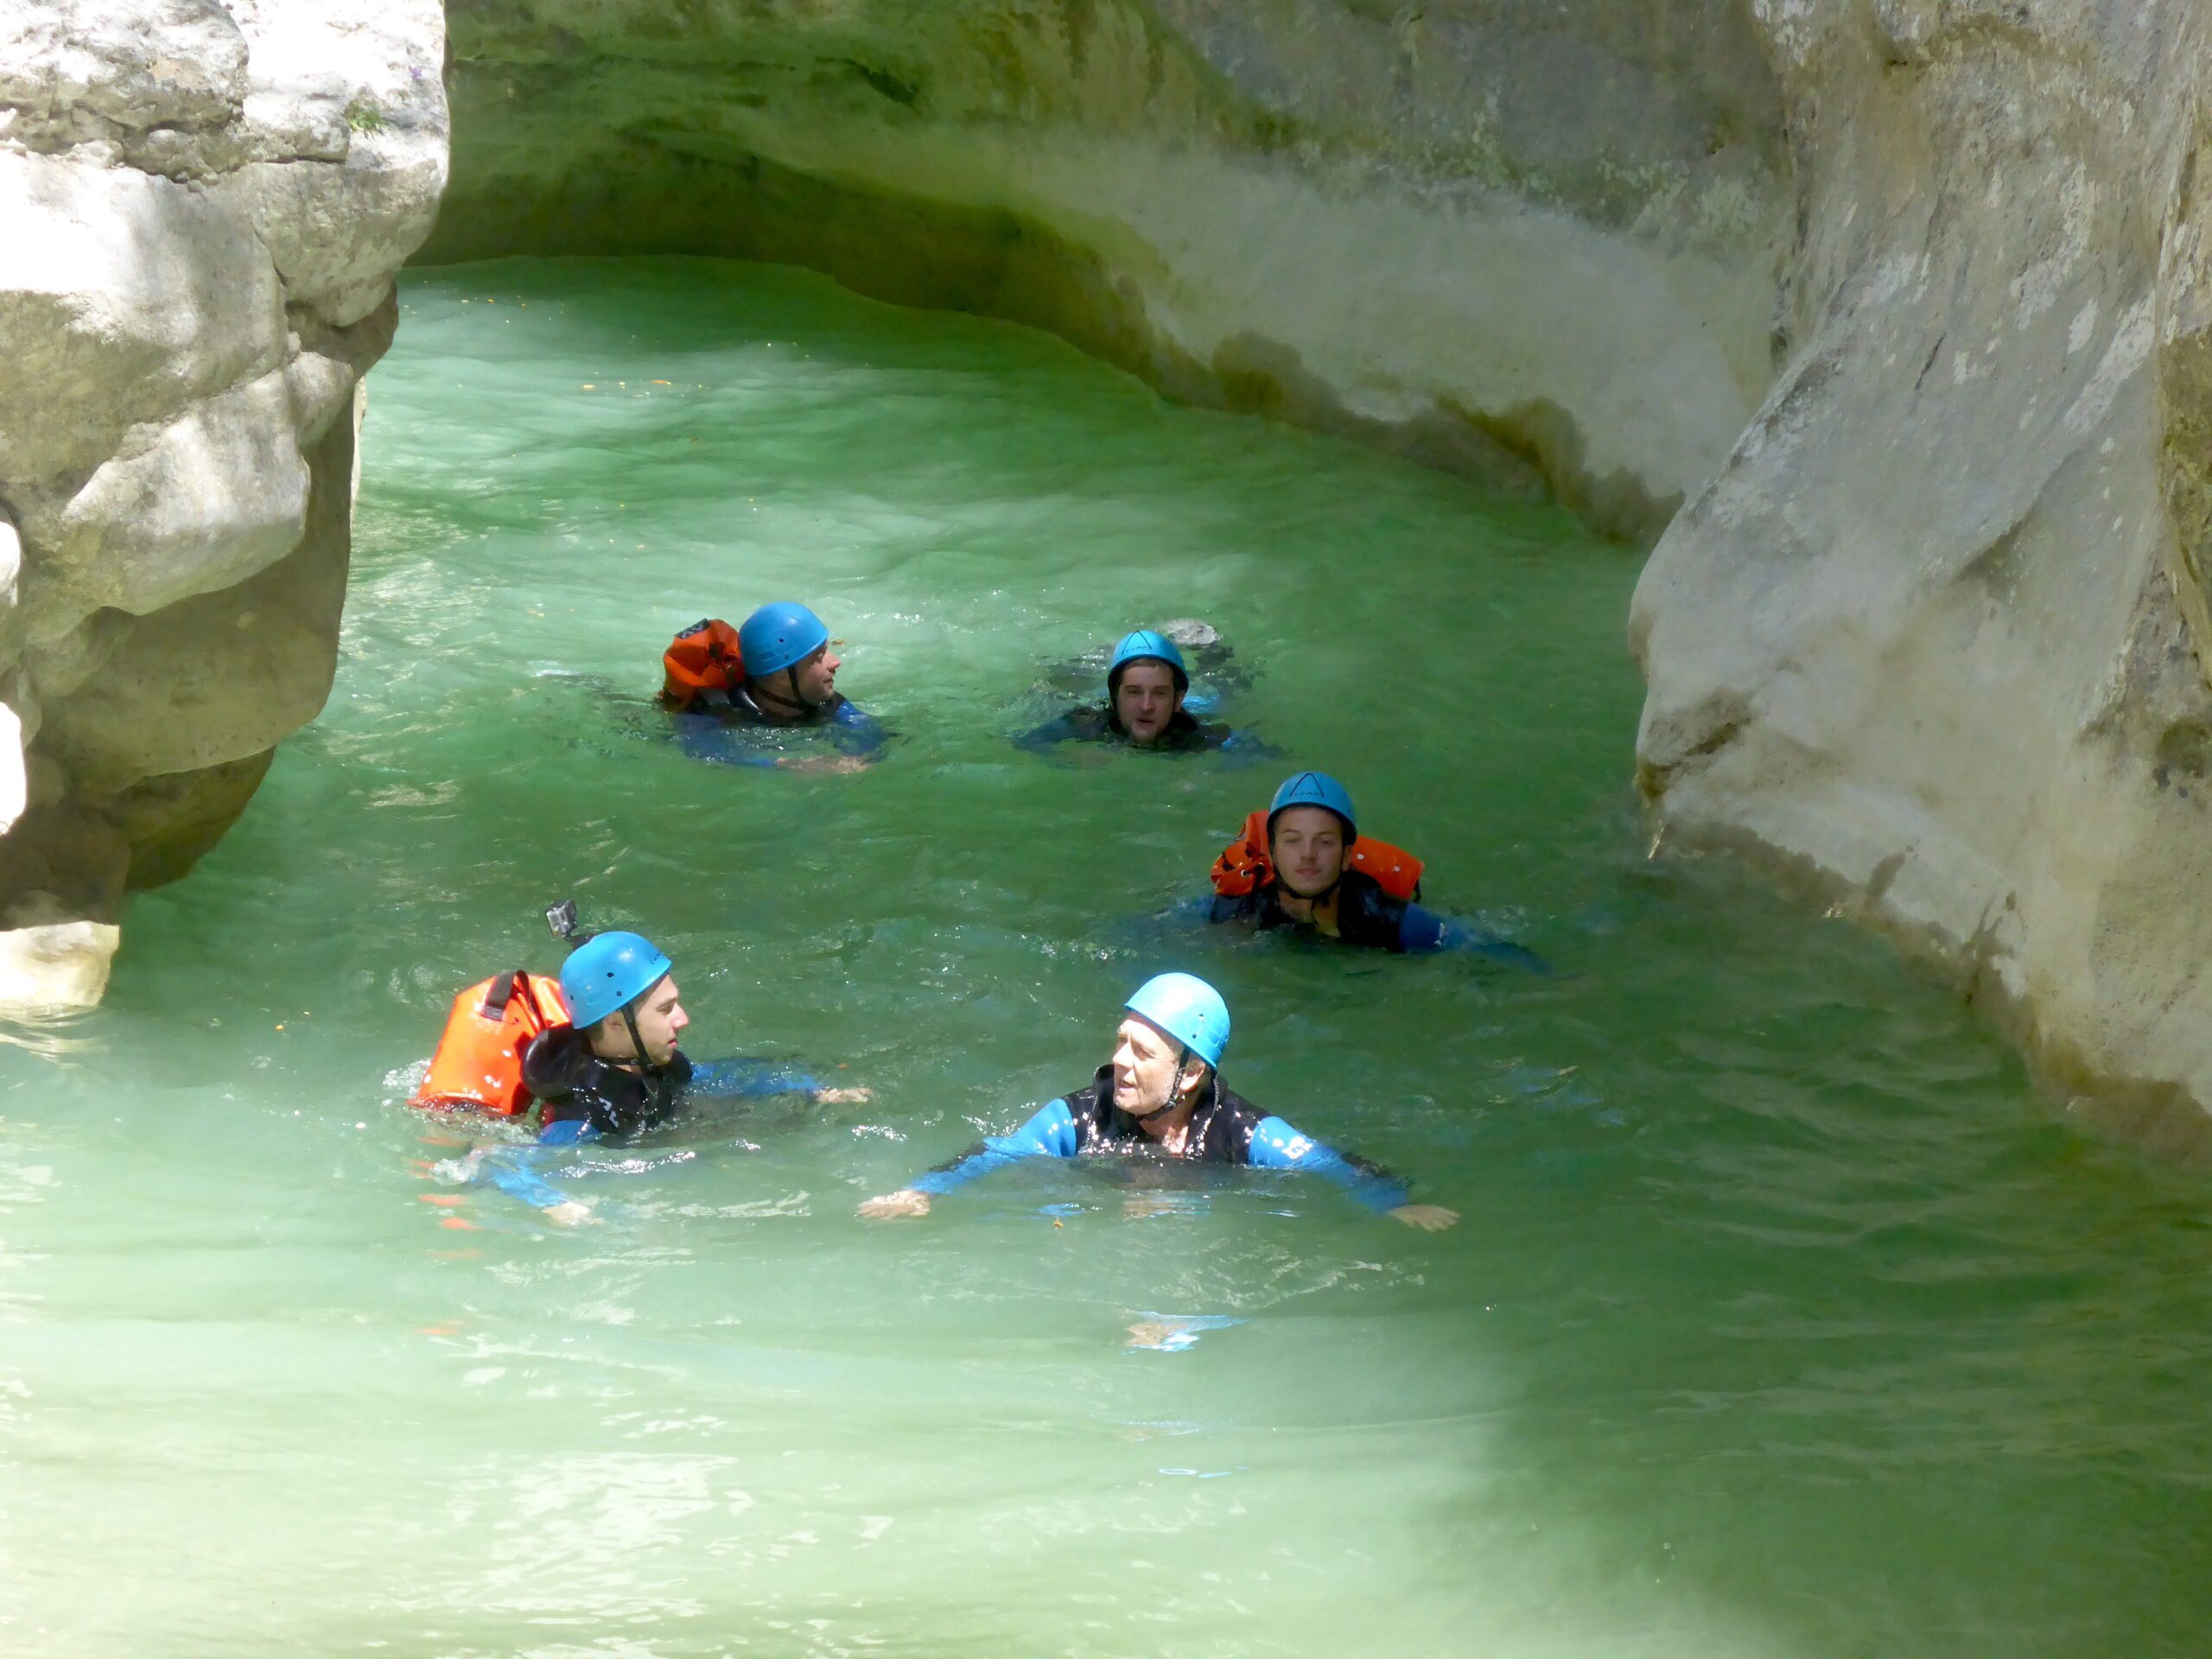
1304, 864
734, 690
615, 1070
1161, 1095
1147, 684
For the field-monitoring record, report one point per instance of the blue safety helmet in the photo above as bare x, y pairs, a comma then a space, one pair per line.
606, 973
777, 635
1187, 1009
1314, 789
1147, 646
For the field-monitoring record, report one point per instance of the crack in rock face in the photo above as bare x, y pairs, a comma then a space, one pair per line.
203, 208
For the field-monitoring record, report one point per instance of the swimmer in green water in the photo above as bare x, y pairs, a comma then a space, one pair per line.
1301, 864
1161, 1096
608, 1071
732, 689
1149, 705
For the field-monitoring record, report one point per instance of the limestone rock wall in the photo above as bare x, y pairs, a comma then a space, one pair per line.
203, 204
1518, 238
1935, 631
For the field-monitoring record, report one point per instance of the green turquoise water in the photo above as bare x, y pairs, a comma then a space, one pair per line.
1784, 1320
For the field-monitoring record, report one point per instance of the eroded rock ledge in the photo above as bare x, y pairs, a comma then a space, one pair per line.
1511, 239
203, 204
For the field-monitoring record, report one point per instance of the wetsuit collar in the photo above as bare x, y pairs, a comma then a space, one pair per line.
1180, 722
755, 697
1194, 1126
1324, 900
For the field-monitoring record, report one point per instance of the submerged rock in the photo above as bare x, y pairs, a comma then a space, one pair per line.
202, 209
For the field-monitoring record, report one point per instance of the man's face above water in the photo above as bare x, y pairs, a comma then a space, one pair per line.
1309, 849
1145, 700
817, 676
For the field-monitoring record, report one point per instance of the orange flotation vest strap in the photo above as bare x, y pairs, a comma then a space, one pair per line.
702, 658
479, 1062
1244, 866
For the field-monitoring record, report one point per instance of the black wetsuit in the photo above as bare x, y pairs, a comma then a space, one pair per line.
1093, 724
1365, 915
577, 1086
586, 1099
730, 728
1221, 1128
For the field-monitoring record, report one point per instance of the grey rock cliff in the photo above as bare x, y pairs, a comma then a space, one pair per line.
1935, 632
202, 209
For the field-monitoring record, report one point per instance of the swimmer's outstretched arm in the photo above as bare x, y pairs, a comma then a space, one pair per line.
859, 735
1277, 1145
744, 1079
858, 738
1423, 933
514, 1170
1048, 1133
1242, 745
1058, 730
708, 737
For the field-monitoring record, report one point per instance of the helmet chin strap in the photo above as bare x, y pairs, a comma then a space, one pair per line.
798, 700
645, 1061
1174, 1088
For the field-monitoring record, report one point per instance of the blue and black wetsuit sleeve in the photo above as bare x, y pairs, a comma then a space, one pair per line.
855, 732
1277, 1145
1421, 933
1241, 745
1080, 725
744, 1079
515, 1170
1050, 1134
726, 743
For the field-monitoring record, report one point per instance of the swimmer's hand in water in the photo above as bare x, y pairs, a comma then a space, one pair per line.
826, 763
1139, 1206
570, 1214
1429, 1218
853, 1096
892, 1206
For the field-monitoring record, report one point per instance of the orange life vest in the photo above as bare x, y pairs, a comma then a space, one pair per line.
702, 658
479, 1062
1244, 866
